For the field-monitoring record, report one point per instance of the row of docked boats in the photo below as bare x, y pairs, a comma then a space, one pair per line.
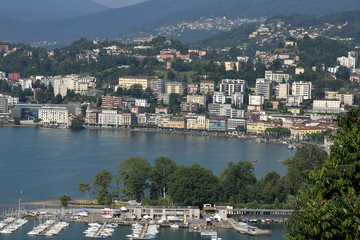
96, 230
12, 225
49, 228
140, 231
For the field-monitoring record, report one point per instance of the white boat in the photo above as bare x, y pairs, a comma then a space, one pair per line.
174, 226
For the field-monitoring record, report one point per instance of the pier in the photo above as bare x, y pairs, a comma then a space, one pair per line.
247, 229
100, 230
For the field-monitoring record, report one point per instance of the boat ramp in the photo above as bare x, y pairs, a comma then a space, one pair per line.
244, 228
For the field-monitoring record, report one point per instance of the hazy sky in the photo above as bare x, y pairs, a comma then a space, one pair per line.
118, 3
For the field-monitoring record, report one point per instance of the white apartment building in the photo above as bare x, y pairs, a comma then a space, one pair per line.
350, 61
231, 86
197, 122
327, 106
346, 98
200, 99
175, 87
141, 102
11, 101
278, 77
69, 82
256, 100
219, 97
54, 116
292, 100
2, 75
237, 99
4, 104
128, 81
302, 89
218, 109
232, 123
109, 117
26, 83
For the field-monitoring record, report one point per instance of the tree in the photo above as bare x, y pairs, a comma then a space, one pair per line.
76, 124
84, 188
236, 181
159, 176
103, 180
64, 200
330, 205
104, 197
133, 175
193, 186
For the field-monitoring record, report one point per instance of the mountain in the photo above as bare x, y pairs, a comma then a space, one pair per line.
48, 9
118, 3
146, 16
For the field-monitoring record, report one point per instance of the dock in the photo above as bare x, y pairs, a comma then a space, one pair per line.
247, 229
100, 230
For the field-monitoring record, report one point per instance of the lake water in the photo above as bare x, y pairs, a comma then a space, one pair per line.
42, 164
39, 164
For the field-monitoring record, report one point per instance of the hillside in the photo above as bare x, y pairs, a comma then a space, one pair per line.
47, 9
145, 17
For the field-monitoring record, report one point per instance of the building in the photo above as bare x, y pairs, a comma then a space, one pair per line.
256, 100
302, 89
176, 87
263, 87
177, 122
278, 76
233, 123
350, 61
302, 131
259, 127
217, 124
157, 85
231, 86
219, 97
4, 107
200, 99
294, 100
232, 66
92, 116
111, 102
69, 82
54, 116
282, 90
299, 70
197, 122
218, 109
109, 117
189, 107
174, 213
207, 87
137, 110
128, 81
128, 119
346, 98
193, 88
26, 83
327, 106
14, 76
141, 102
237, 99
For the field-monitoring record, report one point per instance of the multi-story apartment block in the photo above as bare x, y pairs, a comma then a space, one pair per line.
200, 99
69, 82
216, 109
327, 106
109, 117
4, 104
256, 100
141, 102
128, 119
346, 98
219, 97
294, 100
177, 122
207, 87
302, 89
237, 99
54, 116
2, 75
350, 61
232, 66
11, 100
279, 76
157, 85
263, 87
217, 124
189, 107
128, 81
193, 88
92, 116
259, 127
112, 102
231, 86
233, 123
143, 118
282, 90
165, 121
26, 83
197, 122
176, 87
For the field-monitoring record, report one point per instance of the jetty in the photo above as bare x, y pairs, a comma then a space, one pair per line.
100, 230
244, 228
